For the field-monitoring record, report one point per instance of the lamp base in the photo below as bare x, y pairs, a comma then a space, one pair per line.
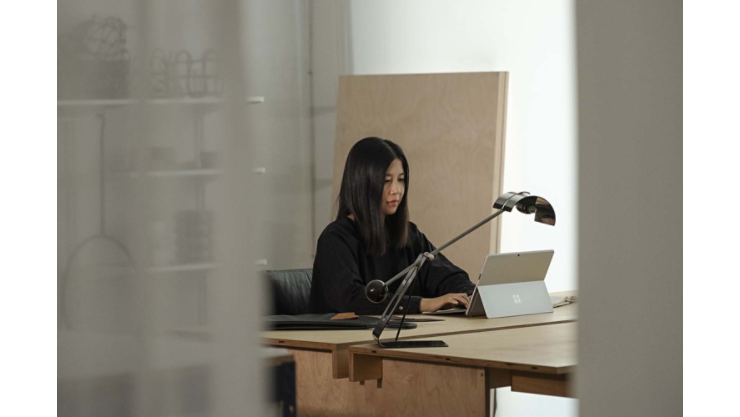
412, 344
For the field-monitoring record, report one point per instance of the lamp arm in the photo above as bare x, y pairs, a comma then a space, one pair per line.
411, 272
402, 273
436, 251
467, 232
398, 296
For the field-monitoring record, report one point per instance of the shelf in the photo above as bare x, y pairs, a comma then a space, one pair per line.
182, 268
94, 103
178, 173
103, 271
156, 101
185, 101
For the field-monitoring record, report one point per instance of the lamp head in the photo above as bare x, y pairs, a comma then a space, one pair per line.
376, 291
527, 204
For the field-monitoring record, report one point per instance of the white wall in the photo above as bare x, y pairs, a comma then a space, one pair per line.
534, 41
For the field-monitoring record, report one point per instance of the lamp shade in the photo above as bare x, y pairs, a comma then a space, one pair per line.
527, 204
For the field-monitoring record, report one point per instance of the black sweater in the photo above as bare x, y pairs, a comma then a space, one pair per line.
342, 268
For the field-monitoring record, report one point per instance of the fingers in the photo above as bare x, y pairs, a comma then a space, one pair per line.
463, 298
458, 299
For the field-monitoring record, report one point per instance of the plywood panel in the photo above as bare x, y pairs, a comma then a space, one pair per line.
558, 385
363, 368
317, 392
451, 127
422, 389
408, 389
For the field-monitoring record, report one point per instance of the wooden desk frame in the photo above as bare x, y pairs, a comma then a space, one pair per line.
338, 348
364, 367
333, 372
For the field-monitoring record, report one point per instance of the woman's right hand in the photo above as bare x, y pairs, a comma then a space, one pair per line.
445, 301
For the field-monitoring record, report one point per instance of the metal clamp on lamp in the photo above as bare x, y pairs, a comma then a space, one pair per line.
377, 290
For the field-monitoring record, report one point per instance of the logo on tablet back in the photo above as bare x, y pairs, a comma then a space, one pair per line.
516, 298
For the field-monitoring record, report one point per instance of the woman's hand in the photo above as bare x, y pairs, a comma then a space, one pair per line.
445, 301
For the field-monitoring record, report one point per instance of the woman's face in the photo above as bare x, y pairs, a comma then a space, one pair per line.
395, 186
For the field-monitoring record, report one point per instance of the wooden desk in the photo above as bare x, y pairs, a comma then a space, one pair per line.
336, 342
322, 357
537, 360
276, 356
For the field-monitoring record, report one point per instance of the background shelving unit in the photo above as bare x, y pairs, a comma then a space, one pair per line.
174, 173
199, 173
182, 268
93, 103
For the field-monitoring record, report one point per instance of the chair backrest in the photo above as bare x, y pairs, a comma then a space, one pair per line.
291, 290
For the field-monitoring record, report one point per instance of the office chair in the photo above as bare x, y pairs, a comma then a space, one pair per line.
290, 290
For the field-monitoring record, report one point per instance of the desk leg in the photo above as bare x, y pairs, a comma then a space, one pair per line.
557, 385
283, 388
497, 378
340, 364
365, 367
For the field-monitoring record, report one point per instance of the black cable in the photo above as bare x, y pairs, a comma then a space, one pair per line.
495, 404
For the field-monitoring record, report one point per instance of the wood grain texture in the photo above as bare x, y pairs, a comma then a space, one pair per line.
340, 364
364, 367
408, 389
342, 339
317, 392
418, 389
336, 342
532, 383
541, 349
497, 378
452, 128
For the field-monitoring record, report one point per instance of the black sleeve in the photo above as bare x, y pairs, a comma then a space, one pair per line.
342, 286
440, 276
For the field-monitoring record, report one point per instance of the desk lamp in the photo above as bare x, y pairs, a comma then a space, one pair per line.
377, 290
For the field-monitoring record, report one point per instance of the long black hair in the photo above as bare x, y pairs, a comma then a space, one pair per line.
361, 194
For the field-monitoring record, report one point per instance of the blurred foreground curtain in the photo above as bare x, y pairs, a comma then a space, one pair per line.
161, 213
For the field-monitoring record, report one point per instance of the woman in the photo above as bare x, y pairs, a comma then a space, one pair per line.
372, 238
